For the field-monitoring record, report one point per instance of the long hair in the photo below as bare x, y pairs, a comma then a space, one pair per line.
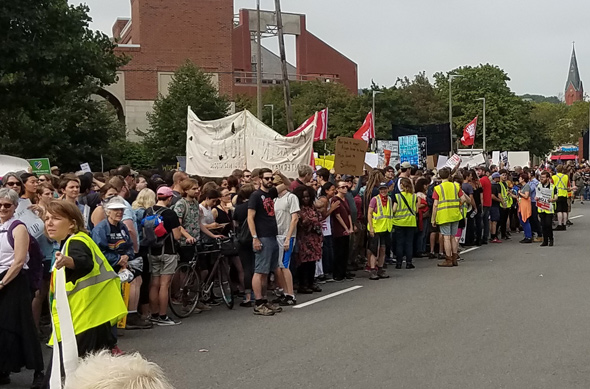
375, 177
145, 199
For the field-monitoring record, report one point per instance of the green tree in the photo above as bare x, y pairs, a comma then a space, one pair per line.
50, 64
190, 87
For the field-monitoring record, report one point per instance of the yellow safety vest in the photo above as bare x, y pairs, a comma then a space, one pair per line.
552, 208
382, 216
449, 204
94, 299
404, 216
507, 198
561, 180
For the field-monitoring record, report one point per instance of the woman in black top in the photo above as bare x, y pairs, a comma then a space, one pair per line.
246, 255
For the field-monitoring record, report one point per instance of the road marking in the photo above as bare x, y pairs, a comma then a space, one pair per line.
575, 217
471, 249
327, 296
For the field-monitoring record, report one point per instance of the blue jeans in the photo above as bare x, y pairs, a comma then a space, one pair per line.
587, 192
526, 226
328, 255
404, 237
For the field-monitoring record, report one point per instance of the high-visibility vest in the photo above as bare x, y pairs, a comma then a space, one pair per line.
552, 208
505, 195
449, 204
94, 299
404, 216
561, 181
382, 216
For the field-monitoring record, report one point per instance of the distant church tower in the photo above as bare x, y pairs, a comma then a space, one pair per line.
574, 91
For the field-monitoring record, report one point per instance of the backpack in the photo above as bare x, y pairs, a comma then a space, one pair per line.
35, 263
154, 232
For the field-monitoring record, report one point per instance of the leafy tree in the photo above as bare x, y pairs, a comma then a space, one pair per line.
565, 124
50, 64
541, 99
166, 137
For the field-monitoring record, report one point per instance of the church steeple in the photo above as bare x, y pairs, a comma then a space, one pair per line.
574, 90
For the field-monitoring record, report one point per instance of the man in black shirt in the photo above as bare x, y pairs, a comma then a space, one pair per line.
495, 208
263, 227
163, 260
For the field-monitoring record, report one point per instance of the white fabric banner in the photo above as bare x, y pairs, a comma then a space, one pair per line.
240, 141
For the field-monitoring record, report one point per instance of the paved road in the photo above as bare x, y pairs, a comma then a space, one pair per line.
510, 316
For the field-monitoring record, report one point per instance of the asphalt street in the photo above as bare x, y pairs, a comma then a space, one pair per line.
510, 316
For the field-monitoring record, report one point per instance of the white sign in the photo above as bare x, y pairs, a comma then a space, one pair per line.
518, 158
442, 161
544, 196
496, 158
372, 160
85, 167
32, 221
215, 148
472, 161
453, 161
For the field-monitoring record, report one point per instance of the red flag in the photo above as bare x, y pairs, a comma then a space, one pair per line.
469, 133
321, 130
366, 131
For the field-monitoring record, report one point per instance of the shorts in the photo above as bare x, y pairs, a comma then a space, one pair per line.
495, 214
579, 191
285, 256
163, 265
381, 239
449, 229
267, 258
561, 204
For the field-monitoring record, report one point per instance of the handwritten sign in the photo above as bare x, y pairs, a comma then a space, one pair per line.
85, 167
453, 162
422, 152
544, 196
350, 156
409, 149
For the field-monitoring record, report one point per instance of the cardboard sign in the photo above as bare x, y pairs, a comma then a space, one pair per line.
430, 162
350, 156
85, 167
40, 165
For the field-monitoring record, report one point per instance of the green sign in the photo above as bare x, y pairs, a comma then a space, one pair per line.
40, 165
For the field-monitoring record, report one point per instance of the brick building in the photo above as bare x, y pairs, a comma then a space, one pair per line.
162, 35
574, 90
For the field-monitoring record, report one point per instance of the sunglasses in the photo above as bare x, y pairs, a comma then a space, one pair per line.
6, 205
247, 176
13, 183
267, 178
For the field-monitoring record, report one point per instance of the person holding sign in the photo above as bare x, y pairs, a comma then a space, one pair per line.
546, 195
561, 182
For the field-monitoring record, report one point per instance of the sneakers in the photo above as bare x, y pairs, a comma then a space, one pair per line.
274, 307
538, 239
304, 291
278, 299
247, 304
568, 223
432, 256
526, 240
164, 321
38, 380
410, 266
288, 301
495, 240
263, 310
381, 274
374, 275
135, 322
338, 279
316, 288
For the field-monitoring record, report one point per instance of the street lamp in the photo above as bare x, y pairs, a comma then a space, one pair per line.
272, 112
451, 77
484, 121
375, 92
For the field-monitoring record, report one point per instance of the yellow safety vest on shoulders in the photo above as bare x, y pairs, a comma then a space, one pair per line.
404, 216
382, 216
507, 198
449, 204
551, 205
561, 181
94, 299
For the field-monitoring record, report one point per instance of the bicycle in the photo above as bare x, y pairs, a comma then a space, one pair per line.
186, 288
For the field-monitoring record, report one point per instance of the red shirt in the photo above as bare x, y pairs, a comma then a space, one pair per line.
486, 187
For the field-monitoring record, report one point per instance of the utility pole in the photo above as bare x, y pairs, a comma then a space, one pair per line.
286, 87
484, 122
258, 63
451, 77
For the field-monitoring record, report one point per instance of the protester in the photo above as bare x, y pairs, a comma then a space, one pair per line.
305, 174
12, 181
18, 336
497, 202
561, 182
546, 213
30, 184
342, 228
380, 225
423, 222
405, 210
524, 207
245, 252
486, 187
327, 207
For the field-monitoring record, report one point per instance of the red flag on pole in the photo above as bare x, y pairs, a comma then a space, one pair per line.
321, 130
469, 133
366, 132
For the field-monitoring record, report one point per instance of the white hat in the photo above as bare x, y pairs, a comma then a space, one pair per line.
116, 202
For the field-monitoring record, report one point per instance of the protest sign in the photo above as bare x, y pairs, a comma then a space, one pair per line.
350, 156
40, 165
392, 146
430, 162
422, 152
453, 162
544, 196
32, 221
85, 167
409, 149
518, 158
372, 160
442, 161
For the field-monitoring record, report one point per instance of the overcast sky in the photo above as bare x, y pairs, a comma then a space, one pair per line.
529, 39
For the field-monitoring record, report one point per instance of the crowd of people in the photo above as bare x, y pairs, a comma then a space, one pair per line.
296, 234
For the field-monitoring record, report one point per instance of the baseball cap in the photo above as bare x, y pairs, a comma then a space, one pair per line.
389, 183
495, 175
383, 185
116, 202
165, 191
406, 165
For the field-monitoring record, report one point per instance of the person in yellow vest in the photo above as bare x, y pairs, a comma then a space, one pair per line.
561, 182
379, 224
546, 196
93, 288
446, 213
506, 205
405, 208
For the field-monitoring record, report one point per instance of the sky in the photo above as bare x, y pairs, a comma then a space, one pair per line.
530, 39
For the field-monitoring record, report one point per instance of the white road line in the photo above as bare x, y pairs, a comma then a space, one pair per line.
575, 217
471, 249
327, 297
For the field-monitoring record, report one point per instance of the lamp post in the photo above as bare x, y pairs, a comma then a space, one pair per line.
258, 63
375, 92
484, 121
451, 77
272, 112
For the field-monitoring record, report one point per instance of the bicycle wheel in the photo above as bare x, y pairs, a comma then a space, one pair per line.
225, 283
184, 290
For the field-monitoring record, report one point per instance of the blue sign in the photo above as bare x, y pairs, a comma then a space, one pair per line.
409, 149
